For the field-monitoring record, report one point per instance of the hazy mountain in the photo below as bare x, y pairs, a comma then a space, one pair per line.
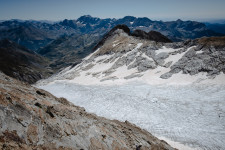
32, 34
219, 28
23, 64
175, 30
69, 50
36, 34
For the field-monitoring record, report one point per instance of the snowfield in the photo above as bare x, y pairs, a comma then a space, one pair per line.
193, 115
174, 91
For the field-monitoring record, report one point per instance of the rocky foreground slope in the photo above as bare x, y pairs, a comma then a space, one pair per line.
31, 118
123, 57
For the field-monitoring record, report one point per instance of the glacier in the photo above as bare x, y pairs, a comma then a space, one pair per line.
193, 114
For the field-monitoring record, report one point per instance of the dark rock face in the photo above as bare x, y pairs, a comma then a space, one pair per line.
152, 35
140, 33
31, 118
21, 63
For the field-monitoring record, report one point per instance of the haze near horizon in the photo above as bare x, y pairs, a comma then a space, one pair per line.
201, 10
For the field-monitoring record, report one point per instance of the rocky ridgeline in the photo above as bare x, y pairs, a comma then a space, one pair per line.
31, 118
121, 52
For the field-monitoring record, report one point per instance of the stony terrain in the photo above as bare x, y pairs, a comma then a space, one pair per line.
31, 118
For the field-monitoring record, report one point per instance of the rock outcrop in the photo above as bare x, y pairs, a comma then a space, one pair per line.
151, 35
207, 56
31, 118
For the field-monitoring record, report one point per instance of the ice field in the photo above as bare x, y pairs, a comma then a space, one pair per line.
193, 115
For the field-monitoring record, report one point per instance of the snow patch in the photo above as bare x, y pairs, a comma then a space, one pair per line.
115, 44
174, 58
165, 49
138, 46
199, 52
92, 54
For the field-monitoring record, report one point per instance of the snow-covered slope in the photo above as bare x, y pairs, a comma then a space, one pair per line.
123, 58
174, 90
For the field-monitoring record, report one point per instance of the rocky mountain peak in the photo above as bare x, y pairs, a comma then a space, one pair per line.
152, 35
123, 27
70, 23
129, 18
148, 60
88, 19
179, 20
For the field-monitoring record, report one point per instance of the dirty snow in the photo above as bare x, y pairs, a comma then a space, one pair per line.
174, 58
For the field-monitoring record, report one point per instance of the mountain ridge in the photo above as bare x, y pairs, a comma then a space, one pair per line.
141, 58
47, 32
172, 85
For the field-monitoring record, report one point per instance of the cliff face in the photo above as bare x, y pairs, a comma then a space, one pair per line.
31, 118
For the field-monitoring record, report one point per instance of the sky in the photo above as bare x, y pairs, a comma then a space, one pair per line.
55, 10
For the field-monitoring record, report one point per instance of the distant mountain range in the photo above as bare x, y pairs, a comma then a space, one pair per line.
220, 28
37, 34
69, 50
67, 42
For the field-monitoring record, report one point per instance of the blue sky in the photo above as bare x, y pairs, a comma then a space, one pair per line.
72, 9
